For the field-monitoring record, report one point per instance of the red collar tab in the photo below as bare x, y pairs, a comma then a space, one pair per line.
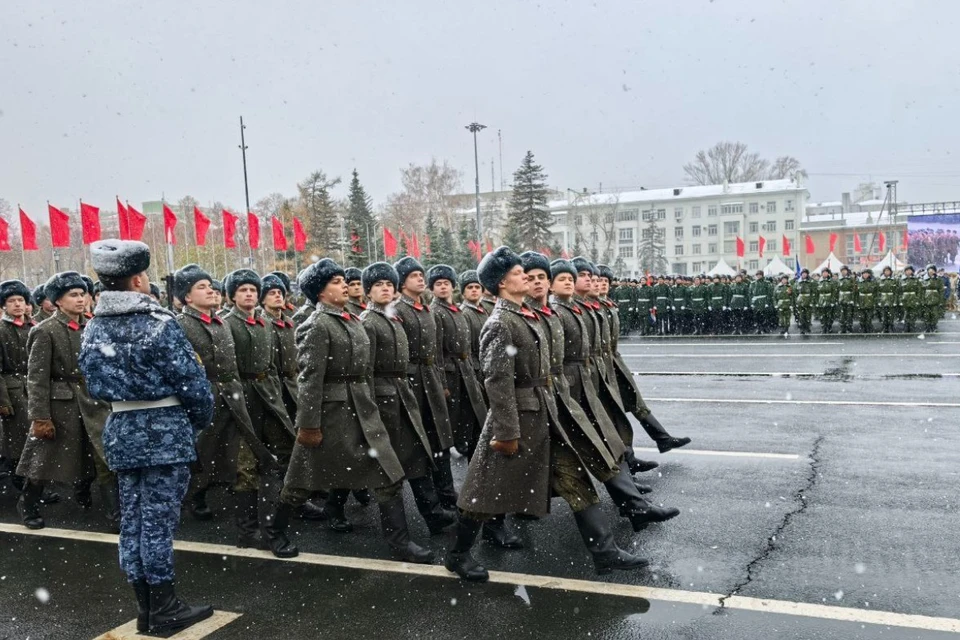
545, 310
261, 322
362, 305
418, 306
481, 310
526, 313
73, 325
288, 324
453, 308
217, 319
205, 319
279, 323
577, 311
346, 315
87, 315
250, 320
18, 322
610, 304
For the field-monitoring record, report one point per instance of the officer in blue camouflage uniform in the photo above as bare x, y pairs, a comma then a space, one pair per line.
135, 356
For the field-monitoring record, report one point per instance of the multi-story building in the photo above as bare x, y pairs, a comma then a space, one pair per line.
689, 228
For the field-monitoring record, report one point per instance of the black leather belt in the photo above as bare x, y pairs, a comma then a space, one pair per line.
257, 377
344, 379
427, 361
532, 383
556, 371
390, 374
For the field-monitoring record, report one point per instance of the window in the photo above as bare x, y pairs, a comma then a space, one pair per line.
771, 225
712, 230
754, 265
754, 207
694, 212
659, 214
754, 226
771, 207
608, 217
680, 268
678, 213
626, 252
754, 246
646, 233
729, 246
695, 231
578, 220
678, 250
788, 225
678, 232
771, 245
788, 205
627, 215
561, 219
712, 210
696, 250
731, 228
697, 267
728, 209
712, 247
594, 237
626, 236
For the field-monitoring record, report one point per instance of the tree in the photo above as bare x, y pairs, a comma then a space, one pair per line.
320, 215
529, 220
429, 231
653, 248
426, 189
732, 162
360, 222
513, 238
463, 258
786, 167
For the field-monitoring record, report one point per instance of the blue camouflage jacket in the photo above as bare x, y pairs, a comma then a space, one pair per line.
134, 350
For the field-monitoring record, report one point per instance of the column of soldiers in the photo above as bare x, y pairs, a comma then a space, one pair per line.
719, 305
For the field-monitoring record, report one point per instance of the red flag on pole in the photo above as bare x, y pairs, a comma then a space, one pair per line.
299, 236
201, 224
355, 242
169, 225
882, 238
389, 243
786, 247
279, 237
4, 234
89, 222
136, 222
740, 247
856, 243
475, 249
123, 217
28, 232
833, 241
59, 227
810, 247
229, 229
416, 247
253, 230
906, 241
762, 243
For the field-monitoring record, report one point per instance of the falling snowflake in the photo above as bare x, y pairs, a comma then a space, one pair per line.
511, 350
42, 595
108, 350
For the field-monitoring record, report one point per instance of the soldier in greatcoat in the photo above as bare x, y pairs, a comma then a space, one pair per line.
355, 301
273, 301
476, 315
15, 325
488, 301
523, 453
42, 307
301, 314
425, 372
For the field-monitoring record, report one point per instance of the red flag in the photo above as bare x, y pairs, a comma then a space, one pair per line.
882, 238
416, 247
474, 249
279, 237
426, 242
4, 234
906, 241
565, 255
833, 241
229, 229
389, 243
786, 247
489, 246
856, 243
810, 247
89, 222
201, 224
546, 251
169, 225
762, 244
28, 232
123, 218
355, 242
136, 222
253, 230
59, 227
740, 247
299, 236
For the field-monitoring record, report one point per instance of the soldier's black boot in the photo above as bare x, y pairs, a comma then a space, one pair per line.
169, 614
311, 511
458, 558
637, 465
443, 481
393, 520
363, 496
496, 531
248, 525
28, 505
142, 590
665, 442
110, 496
274, 520
337, 520
599, 542
632, 505
81, 494
428, 504
197, 506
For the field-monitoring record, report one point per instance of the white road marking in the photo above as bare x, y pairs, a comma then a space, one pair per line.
789, 355
784, 607
725, 454
771, 343
218, 620
777, 374
950, 405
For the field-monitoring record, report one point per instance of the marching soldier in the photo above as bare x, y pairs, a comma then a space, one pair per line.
911, 293
866, 300
847, 299
488, 301
933, 300
43, 307
476, 315
805, 293
273, 301
888, 290
15, 326
355, 303
783, 296
645, 302
625, 297
306, 309
761, 303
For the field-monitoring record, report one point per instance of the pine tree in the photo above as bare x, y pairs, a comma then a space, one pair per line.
529, 219
443, 248
360, 223
321, 215
653, 248
431, 232
465, 259
556, 248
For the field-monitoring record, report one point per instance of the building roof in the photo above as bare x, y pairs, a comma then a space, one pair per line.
852, 219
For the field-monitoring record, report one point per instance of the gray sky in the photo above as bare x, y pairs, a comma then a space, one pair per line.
105, 98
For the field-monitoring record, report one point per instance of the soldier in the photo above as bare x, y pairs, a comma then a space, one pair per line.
625, 296
645, 303
43, 308
911, 299
739, 305
257, 487
135, 356
783, 296
355, 303
476, 315
933, 300
217, 300
866, 300
680, 307
426, 374
717, 306
888, 292
341, 440
305, 310
15, 326
488, 301
288, 307
661, 301
400, 415
505, 476
273, 295
761, 303
805, 293
699, 299
846, 298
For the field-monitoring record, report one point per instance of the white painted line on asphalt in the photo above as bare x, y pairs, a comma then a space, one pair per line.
790, 355
784, 607
766, 374
770, 343
725, 454
950, 405
217, 621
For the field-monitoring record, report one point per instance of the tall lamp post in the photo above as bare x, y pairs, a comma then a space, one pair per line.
473, 128
246, 187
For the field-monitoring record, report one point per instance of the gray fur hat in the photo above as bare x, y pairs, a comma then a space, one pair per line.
532, 260
376, 272
351, 274
495, 266
468, 277
407, 265
235, 279
605, 272
315, 278
185, 277
269, 282
10, 288
441, 272
560, 265
119, 258
582, 264
60, 283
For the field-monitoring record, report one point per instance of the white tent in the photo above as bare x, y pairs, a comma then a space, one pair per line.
891, 261
777, 267
832, 262
722, 269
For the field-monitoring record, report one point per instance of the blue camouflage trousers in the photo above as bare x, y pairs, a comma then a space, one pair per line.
150, 500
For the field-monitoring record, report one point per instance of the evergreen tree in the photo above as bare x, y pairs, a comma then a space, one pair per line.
443, 249
529, 219
653, 249
360, 224
320, 212
465, 259
431, 231
556, 248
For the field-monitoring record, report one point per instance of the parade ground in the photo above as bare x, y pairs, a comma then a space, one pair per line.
819, 500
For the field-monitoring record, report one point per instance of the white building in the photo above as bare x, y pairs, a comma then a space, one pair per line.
698, 224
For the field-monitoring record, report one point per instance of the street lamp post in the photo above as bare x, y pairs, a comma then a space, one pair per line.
246, 187
473, 128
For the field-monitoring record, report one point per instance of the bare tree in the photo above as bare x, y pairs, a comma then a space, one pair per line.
726, 162
426, 189
786, 167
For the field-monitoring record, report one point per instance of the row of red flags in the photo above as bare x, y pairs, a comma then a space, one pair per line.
811, 247
133, 223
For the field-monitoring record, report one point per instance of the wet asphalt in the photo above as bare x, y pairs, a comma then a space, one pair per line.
865, 517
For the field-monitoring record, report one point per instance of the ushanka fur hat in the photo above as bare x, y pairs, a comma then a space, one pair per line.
10, 288
317, 276
495, 266
582, 264
60, 283
532, 260
119, 258
405, 266
240, 277
376, 272
352, 273
187, 276
441, 272
606, 272
561, 265
468, 277
268, 283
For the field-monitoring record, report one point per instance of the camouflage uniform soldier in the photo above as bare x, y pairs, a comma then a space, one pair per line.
933, 300
137, 357
783, 295
847, 298
645, 303
761, 303
805, 295
866, 300
827, 298
888, 291
911, 298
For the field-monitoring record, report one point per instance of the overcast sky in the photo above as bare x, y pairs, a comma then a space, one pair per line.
105, 98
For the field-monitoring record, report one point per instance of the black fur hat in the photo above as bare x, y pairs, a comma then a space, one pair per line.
87, 283
317, 276
468, 277
187, 276
39, 295
441, 272
582, 264
495, 266
155, 290
376, 272
235, 279
271, 281
9, 288
284, 278
405, 266
606, 272
351, 274
119, 258
826, 270
217, 285
532, 260
560, 265
60, 283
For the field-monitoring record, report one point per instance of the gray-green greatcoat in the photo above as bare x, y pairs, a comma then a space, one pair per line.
285, 359
476, 316
336, 396
629, 392
303, 313
356, 308
13, 387
394, 395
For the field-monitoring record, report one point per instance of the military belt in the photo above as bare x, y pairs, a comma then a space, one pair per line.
257, 377
427, 361
458, 356
532, 383
556, 371
344, 379
583, 361
223, 379
390, 374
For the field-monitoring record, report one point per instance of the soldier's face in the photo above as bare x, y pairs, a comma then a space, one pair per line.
355, 289
539, 283
472, 293
415, 284
217, 299
604, 285
201, 296
515, 283
584, 283
443, 289
335, 293
563, 285
381, 292
15, 306
594, 286
246, 297
273, 300
73, 302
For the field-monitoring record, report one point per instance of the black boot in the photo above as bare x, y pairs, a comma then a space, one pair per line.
428, 504
28, 506
81, 494
443, 481
599, 542
637, 465
142, 590
274, 520
168, 613
672, 443
110, 495
496, 531
642, 488
310, 510
197, 506
458, 559
337, 520
658, 434
393, 519
363, 496
49, 495
248, 526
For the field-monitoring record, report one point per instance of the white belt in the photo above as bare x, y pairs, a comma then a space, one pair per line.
140, 405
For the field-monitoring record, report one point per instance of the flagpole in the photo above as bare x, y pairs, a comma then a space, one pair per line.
23, 251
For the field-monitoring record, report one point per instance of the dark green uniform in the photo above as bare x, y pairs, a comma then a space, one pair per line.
717, 304
888, 292
661, 301
827, 296
739, 303
933, 300
847, 299
805, 296
762, 304
783, 295
680, 303
911, 297
644, 304
867, 295
699, 304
